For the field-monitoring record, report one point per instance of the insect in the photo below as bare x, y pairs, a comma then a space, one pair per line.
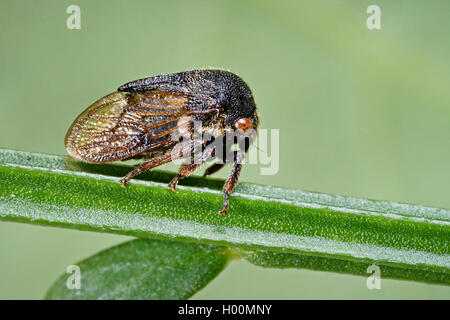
155, 119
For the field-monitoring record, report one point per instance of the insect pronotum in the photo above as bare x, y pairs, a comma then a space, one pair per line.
155, 119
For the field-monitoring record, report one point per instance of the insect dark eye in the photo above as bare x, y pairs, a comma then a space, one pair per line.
243, 124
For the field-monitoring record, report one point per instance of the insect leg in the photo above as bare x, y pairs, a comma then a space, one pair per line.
184, 171
144, 167
226, 151
232, 180
159, 161
189, 168
213, 169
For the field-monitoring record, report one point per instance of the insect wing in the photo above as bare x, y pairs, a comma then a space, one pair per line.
123, 124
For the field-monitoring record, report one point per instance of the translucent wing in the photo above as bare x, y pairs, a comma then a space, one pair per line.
124, 124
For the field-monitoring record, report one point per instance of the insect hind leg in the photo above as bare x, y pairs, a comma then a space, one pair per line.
152, 163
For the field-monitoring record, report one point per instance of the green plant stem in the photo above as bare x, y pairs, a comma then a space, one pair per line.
57, 191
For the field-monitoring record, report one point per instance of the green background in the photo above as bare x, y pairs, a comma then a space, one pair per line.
362, 113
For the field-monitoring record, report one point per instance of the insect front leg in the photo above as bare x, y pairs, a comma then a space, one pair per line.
232, 180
